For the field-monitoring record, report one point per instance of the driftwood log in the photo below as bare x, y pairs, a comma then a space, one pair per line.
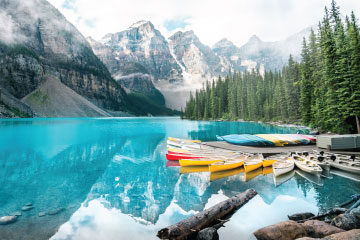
214, 215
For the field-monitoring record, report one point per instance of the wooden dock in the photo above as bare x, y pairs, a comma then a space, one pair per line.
268, 151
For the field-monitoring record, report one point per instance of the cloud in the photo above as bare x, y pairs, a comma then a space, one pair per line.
211, 20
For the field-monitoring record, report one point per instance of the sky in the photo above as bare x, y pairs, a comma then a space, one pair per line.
211, 20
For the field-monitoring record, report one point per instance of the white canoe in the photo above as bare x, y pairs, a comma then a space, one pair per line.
346, 165
282, 167
307, 165
322, 163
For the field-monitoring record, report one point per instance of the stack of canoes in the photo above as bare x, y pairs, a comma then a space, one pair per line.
263, 140
193, 153
195, 156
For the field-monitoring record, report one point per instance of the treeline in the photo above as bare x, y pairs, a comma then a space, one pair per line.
323, 90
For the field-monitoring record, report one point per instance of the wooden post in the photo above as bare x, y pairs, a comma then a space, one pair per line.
208, 218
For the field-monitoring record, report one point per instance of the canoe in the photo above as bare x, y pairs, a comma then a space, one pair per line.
346, 165
307, 165
242, 140
277, 142
320, 161
300, 138
186, 145
175, 157
227, 173
267, 170
220, 139
198, 162
252, 174
194, 169
283, 167
310, 137
226, 165
183, 140
252, 163
268, 162
261, 141
290, 141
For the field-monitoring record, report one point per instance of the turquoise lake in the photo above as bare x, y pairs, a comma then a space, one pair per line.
108, 179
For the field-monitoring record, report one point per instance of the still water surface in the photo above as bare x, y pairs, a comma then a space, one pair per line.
107, 179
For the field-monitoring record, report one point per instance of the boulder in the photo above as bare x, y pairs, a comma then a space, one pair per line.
281, 231
349, 235
26, 208
55, 211
356, 212
28, 204
42, 214
18, 214
307, 238
319, 229
346, 221
301, 216
208, 234
7, 220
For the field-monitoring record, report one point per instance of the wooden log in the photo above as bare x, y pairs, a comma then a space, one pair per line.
186, 228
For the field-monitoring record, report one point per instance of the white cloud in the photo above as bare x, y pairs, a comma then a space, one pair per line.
211, 20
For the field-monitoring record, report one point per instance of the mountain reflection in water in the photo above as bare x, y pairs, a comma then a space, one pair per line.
110, 178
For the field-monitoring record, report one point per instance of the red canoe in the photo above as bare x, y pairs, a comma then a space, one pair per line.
175, 157
311, 138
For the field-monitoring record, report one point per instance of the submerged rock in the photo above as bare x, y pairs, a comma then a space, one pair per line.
349, 235
41, 214
16, 214
319, 229
281, 231
7, 220
26, 208
300, 216
55, 211
28, 204
208, 234
346, 221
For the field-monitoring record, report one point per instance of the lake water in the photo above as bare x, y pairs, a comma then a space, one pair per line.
107, 179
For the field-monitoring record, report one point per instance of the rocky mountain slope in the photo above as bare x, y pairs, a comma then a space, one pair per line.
142, 60
38, 44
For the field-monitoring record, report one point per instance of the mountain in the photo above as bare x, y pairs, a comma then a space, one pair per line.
39, 47
142, 44
274, 55
144, 62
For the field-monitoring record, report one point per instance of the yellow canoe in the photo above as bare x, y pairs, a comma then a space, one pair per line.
197, 162
225, 165
183, 140
252, 165
287, 138
194, 169
267, 170
278, 142
227, 173
268, 162
252, 174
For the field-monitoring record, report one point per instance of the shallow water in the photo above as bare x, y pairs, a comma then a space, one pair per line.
107, 179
